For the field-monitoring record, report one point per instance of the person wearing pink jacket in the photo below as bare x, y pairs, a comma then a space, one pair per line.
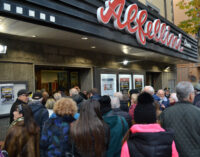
147, 138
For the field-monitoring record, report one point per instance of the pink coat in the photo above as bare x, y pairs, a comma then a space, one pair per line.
146, 128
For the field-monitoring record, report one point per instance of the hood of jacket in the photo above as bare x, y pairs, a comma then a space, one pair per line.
35, 106
146, 128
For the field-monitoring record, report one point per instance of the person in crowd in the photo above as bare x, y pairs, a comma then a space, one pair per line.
22, 98
150, 90
132, 91
133, 105
123, 101
62, 91
167, 92
146, 137
83, 95
173, 99
22, 139
197, 95
115, 105
164, 102
183, 118
45, 96
74, 94
90, 133
49, 105
54, 140
118, 127
77, 88
57, 96
94, 94
40, 113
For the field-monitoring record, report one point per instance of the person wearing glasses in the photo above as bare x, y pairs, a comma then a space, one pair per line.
22, 98
23, 136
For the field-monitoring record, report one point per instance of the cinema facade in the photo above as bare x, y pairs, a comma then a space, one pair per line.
111, 45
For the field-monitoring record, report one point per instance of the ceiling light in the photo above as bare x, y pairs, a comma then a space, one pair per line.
125, 62
1, 28
84, 38
93, 47
125, 51
3, 49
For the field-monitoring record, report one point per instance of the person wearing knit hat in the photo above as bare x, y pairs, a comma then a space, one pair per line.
145, 112
146, 137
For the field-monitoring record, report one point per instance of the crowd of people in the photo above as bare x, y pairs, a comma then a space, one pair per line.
86, 124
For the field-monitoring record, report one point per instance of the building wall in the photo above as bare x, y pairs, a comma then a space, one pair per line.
19, 62
188, 72
160, 4
179, 15
169, 80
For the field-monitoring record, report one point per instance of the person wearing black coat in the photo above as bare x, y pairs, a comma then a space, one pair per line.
22, 98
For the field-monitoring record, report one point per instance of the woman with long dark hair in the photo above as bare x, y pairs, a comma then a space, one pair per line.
23, 135
90, 133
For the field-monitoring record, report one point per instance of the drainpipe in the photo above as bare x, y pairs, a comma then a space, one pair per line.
165, 6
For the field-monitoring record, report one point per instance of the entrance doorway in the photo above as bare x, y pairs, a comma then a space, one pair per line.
53, 79
154, 79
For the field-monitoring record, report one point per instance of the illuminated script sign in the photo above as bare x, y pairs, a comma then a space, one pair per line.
135, 21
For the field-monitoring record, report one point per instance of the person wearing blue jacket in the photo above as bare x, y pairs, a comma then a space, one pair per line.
40, 113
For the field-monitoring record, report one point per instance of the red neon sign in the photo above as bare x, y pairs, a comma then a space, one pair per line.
133, 22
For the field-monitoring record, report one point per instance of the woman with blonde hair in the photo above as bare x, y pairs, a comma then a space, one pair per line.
54, 139
49, 105
133, 105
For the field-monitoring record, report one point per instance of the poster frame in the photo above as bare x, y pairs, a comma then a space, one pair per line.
107, 76
130, 80
24, 83
138, 76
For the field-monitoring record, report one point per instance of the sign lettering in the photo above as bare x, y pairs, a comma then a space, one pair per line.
135, 21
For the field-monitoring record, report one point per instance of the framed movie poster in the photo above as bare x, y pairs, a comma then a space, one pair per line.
108, 84
138, 82
125, 83
8, 95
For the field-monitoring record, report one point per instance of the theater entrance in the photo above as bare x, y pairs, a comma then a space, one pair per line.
154, 79
53, 79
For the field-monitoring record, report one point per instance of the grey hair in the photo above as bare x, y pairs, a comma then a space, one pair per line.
115, 103
73, 91
173, 96
57, 96
183, 90
149, 89
119, 95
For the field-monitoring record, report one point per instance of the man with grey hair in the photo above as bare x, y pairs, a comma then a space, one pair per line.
183, 118
74, 94
115, 105
150, 90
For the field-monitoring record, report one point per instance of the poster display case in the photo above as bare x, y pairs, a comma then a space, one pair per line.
138, 82
108, 84
8, 95
125, 83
